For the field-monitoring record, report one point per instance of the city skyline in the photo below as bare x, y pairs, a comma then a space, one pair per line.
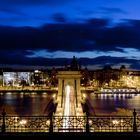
49, 33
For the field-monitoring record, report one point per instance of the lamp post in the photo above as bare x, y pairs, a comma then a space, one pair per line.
3, 121
134, 122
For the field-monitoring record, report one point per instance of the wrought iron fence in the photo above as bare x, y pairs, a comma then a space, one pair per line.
111, 124
27, 124
69, 123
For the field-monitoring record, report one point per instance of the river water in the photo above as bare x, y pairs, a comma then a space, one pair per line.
26, 103
36, 103
106, 104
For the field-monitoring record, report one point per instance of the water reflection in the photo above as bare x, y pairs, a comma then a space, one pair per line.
114, 96
25, 103
108, 103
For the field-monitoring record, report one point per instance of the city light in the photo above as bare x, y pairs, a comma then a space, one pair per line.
54, 96
23, 122
84, 96
115, 122
36, 71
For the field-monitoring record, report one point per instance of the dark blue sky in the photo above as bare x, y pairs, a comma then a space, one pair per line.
51, 32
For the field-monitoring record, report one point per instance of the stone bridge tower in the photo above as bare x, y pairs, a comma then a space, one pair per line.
69, 94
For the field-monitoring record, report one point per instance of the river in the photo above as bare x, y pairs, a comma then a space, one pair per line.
35, 103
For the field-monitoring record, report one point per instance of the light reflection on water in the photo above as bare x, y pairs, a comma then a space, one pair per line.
26, 103
108, 103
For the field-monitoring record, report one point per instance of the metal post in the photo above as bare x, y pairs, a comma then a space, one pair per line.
51, 123
134, 121
87, 123
3, 121
87, 115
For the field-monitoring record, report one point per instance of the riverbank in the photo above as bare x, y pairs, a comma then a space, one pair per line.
28, 89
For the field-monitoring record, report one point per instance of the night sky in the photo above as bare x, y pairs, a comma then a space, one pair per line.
50, 32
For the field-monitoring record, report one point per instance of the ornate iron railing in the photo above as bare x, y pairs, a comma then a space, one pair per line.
27, 124
138, 123
69, 123
111, 124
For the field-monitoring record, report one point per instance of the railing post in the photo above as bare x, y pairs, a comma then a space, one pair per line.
87, 122
134, 121
51, 123
3, 121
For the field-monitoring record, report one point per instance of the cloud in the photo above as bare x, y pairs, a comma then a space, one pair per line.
18, 57
108, 10
112, 60
23, 45
72, 37
98, 22
11, 11
32, 2
59, 17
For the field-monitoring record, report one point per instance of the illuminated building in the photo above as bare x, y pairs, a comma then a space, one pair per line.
106, 77
16, 78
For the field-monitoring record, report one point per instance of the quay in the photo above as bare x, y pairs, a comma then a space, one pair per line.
28, 89
4, 89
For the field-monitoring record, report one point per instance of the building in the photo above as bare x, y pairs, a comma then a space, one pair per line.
106, 77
